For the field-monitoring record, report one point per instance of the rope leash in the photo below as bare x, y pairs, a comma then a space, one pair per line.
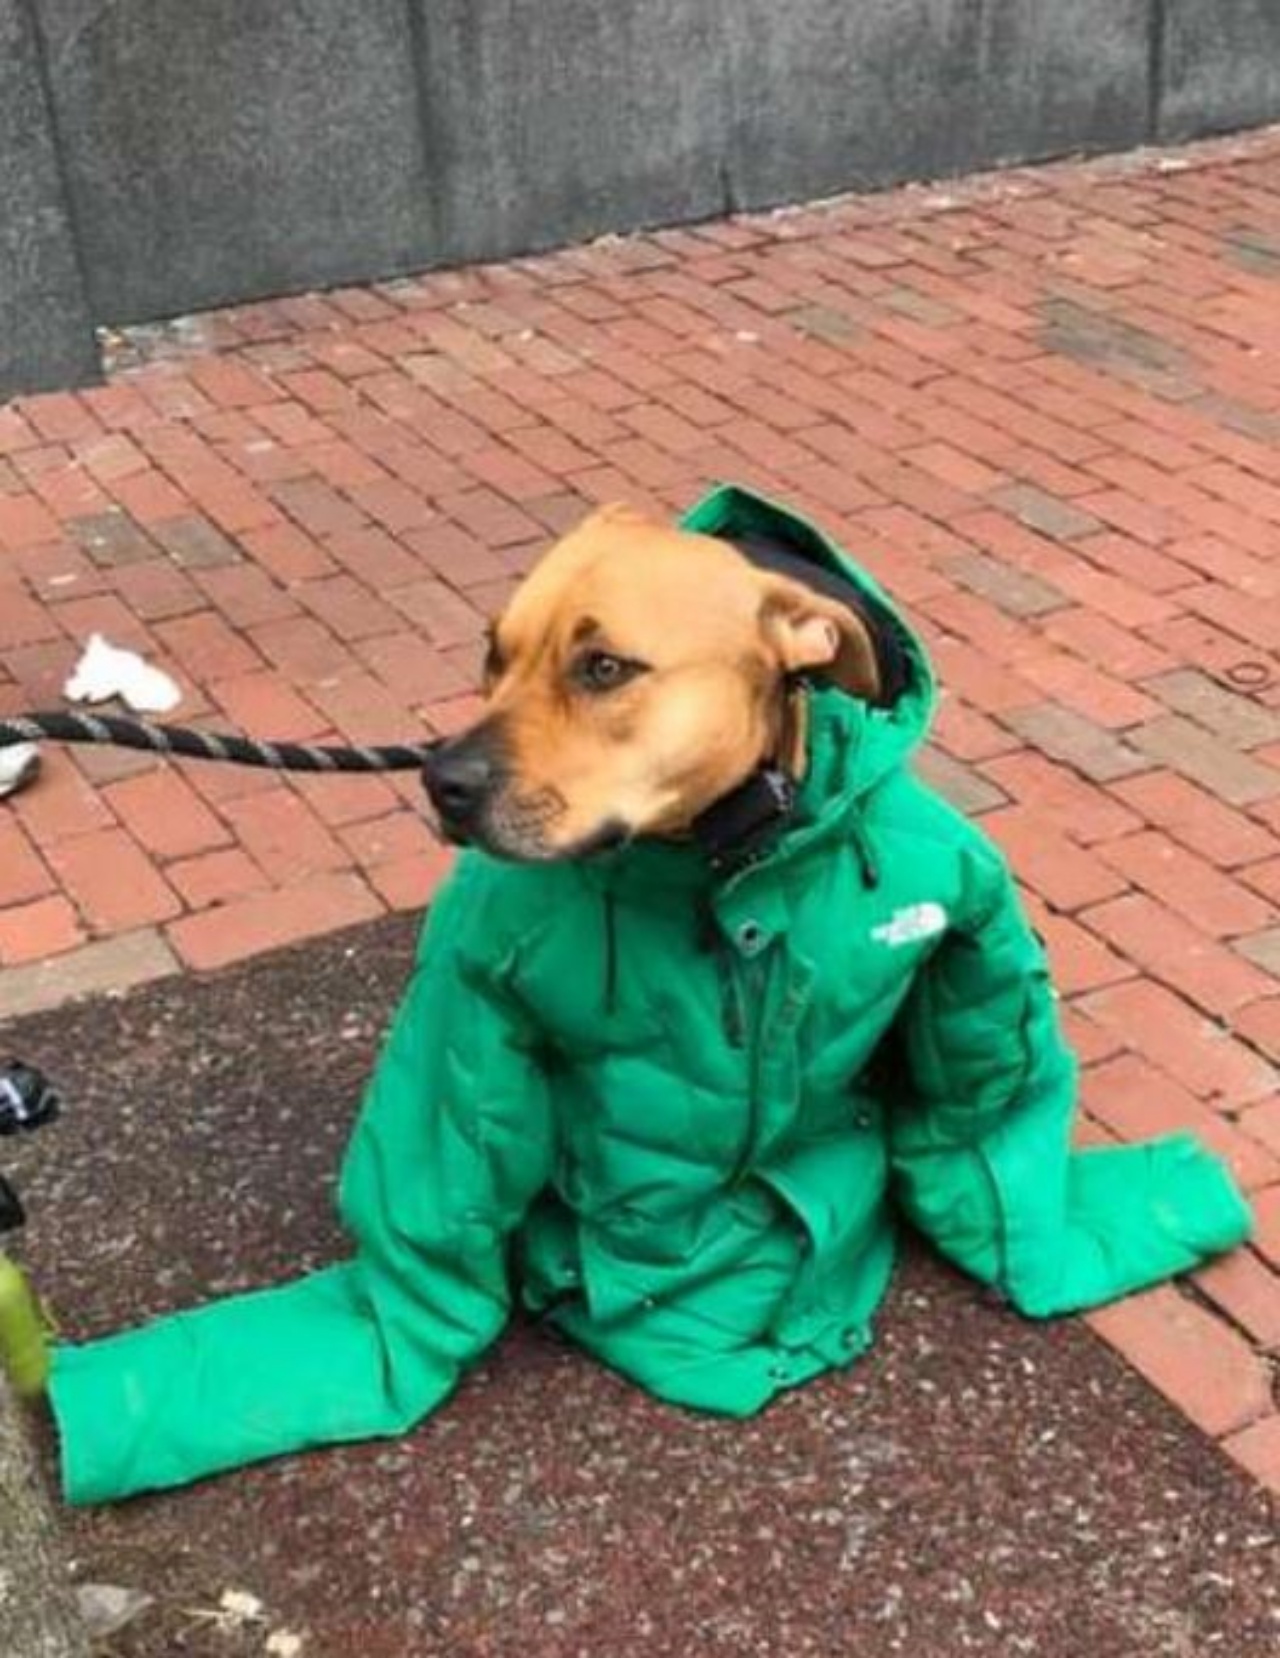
60, 726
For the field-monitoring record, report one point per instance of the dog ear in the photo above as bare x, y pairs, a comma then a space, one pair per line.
810, 632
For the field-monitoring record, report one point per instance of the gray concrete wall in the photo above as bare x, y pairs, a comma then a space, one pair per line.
1221, 66
46, 338
185, 155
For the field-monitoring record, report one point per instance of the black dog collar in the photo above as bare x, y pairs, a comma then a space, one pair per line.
743, 824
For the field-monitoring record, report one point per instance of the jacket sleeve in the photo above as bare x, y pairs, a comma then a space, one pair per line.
981, 1136
451, 1146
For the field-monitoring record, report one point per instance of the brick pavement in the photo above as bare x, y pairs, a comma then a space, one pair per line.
1043, 406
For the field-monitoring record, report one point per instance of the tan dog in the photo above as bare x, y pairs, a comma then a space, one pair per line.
639, 673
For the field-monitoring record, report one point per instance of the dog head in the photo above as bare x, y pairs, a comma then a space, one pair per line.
638, 674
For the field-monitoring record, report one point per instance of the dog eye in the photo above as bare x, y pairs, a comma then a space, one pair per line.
601, 671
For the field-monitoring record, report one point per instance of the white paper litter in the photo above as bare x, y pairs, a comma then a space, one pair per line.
106, 670
19, 763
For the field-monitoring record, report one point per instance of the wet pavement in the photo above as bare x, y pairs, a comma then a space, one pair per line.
977, 1485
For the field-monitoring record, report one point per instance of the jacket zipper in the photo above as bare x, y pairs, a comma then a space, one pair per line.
732, 1017
754, 994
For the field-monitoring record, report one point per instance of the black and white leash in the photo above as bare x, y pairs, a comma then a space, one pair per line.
63, 727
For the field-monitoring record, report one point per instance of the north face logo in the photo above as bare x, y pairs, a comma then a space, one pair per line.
915, 922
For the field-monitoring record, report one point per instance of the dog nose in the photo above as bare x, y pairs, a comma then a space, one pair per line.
457, 779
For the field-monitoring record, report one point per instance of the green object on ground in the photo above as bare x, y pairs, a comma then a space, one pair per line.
695, 1137
24, 1346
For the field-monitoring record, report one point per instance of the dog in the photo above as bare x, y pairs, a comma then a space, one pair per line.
719, 994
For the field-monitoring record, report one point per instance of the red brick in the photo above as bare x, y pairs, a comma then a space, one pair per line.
59, 416
22, 620
1259, 1023
22, 875
1181, 1042
454, 714
289, 553
216, 877
55, 571
1065, 875
265, 705
1248, 1291
445, 617
231, 383
972, 674
103, 613
283, 835
375, 558
966, 734
15, 433
265, 921
24, 521
1123, 603
1195, 1359
111, 879
245, 595
1094, 694
319, 509
411, 668
1262, 1122
1212, 901
1099, 640
1257, 1450
149, 497
400, 836
1266, 1219
30, 932
205, 648
1136, 1101
165, 814
69, 492
1238, 613
456, 557
301, 649
156, 590
393, 504
1078, 961
492, 519
347, 607
350, 797
1066, 802
1193, 816
365, 711
1172, 951
1089, 1039
1135, 563
1264, 878
62, 805
411, 883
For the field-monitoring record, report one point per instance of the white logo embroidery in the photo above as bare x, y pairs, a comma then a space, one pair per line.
915, 922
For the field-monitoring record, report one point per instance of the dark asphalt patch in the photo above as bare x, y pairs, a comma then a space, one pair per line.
977, 1485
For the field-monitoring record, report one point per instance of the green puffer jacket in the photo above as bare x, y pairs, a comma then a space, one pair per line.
695, 1107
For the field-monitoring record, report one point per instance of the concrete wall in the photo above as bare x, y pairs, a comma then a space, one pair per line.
46, 338
159, 156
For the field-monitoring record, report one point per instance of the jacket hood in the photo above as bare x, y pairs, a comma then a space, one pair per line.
852, 745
